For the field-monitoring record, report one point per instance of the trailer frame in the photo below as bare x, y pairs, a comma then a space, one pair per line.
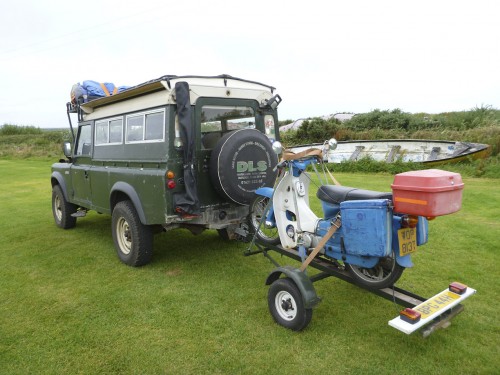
331, 268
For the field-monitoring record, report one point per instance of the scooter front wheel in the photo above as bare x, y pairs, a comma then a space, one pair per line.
265, 233
383, 275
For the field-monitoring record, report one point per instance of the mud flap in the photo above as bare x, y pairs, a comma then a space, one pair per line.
403, 261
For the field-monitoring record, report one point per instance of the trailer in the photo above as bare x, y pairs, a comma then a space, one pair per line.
291, 298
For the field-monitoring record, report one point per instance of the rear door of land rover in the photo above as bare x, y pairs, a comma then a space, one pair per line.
215, 117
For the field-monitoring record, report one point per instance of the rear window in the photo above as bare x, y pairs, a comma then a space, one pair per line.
216, 120
226, 118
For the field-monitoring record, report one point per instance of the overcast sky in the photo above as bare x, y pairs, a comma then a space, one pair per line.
322, 56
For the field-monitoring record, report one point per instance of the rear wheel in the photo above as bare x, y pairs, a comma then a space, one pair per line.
287, 306
267, 234
133, 240
384, 274
62, 209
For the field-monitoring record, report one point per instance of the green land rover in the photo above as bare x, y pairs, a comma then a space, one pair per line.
174, 152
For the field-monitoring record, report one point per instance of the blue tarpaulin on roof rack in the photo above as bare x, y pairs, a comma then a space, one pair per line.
89, 90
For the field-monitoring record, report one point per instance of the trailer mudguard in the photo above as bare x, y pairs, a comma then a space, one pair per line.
300, 279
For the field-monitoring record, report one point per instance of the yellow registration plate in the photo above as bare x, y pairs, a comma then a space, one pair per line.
407, 241
436, 303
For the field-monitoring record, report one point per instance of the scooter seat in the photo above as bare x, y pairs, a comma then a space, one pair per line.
335, 194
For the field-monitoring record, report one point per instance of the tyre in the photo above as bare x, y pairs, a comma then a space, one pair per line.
241, 162
287, 306
62, 209
383, 275
223, 234
133, 240
268, 235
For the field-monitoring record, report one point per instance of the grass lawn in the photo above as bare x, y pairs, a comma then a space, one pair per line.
68, 306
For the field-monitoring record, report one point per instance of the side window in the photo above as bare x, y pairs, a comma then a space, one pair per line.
146, 127
154, 126
135, 125
269, 127
101, 132
108, 132
115, 131
84, 143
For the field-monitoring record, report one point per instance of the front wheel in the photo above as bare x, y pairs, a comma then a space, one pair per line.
62, 209
287, 306
266, 234
384, 274
133, 240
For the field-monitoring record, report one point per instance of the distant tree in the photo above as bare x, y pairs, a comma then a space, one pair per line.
317, 130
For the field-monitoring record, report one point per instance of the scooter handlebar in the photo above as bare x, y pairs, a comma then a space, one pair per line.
280, 165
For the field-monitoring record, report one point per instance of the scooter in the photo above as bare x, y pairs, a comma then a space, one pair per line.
360, 230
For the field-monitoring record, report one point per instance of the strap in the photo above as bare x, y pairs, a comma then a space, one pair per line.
321, 244
105, 89
333, 178
290, 155
115, 90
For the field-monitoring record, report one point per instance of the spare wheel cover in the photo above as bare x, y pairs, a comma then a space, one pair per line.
241, 162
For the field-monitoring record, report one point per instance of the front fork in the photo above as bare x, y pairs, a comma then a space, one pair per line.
268, 193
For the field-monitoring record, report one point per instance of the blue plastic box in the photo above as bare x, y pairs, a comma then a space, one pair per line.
366, 227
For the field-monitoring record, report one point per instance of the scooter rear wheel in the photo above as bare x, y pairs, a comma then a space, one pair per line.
268, 235
383, 275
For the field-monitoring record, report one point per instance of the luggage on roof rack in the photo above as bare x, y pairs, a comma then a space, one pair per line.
89, 90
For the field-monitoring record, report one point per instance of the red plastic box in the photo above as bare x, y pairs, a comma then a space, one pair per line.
428, 193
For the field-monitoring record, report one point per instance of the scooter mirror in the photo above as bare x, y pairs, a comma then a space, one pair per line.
277, 147
332, 144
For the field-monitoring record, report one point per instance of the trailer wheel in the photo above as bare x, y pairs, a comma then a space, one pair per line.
257, 210
383, 275
133, 240
287, 306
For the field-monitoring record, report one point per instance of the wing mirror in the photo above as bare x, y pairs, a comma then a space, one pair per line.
67, 149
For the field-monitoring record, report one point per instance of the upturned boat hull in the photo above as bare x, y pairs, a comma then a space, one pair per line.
407, 150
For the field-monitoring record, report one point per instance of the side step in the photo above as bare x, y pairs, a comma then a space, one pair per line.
79, 213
